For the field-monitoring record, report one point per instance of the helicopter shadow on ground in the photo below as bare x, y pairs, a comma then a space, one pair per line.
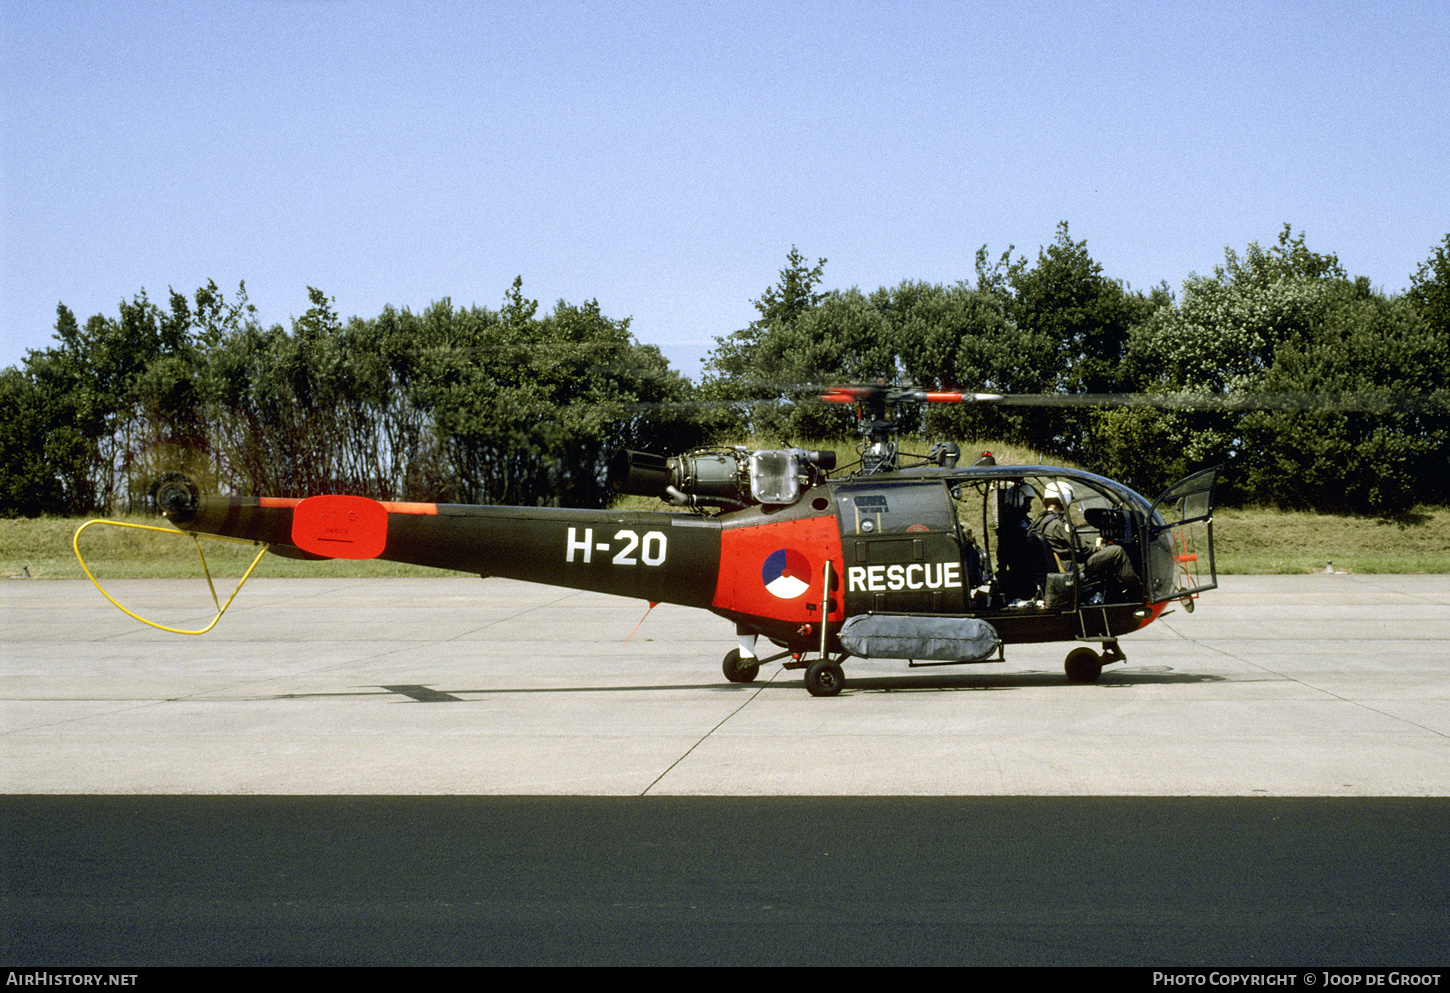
1031, 679
1021, 680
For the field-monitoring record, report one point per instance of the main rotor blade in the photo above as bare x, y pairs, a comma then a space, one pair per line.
1373, 403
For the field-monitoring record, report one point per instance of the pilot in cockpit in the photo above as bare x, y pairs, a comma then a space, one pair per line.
1097, 561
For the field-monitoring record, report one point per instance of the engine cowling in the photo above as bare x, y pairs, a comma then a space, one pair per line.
729, 478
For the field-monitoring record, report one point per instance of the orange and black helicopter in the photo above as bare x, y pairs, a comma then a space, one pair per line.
930, 562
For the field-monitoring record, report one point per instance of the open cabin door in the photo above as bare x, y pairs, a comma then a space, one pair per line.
1180, 539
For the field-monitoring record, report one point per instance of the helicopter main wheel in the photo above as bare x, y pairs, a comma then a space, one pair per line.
824, 678
1083, 665
737, 670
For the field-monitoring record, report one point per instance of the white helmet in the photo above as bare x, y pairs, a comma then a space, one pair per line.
1060, 492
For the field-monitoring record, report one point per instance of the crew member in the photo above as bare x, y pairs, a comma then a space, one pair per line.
1101, 560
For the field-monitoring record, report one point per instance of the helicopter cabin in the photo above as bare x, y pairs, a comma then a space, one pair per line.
971, 542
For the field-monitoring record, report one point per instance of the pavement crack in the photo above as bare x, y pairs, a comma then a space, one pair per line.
723, 721
515, 616
1310, 686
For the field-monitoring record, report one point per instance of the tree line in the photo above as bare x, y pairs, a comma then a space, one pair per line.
467, 405
1313, 388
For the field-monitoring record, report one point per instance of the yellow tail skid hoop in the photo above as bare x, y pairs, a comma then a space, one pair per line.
221, 608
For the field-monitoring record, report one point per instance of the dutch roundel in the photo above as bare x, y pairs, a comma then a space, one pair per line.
786, 573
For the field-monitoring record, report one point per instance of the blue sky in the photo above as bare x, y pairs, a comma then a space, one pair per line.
663, 158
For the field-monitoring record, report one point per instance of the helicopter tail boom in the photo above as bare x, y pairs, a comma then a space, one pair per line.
657, 556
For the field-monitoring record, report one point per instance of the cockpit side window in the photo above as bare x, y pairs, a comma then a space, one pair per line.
896, 508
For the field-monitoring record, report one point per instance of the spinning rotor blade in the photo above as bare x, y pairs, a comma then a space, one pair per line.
1373, 403
895, 394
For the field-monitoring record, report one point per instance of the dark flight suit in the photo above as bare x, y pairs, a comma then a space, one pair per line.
1109, 560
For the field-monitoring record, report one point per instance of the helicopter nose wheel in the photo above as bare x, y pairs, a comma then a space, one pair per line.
738, 670
824, 678
1083, 665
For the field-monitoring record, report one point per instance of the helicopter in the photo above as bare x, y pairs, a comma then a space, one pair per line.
930, 562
